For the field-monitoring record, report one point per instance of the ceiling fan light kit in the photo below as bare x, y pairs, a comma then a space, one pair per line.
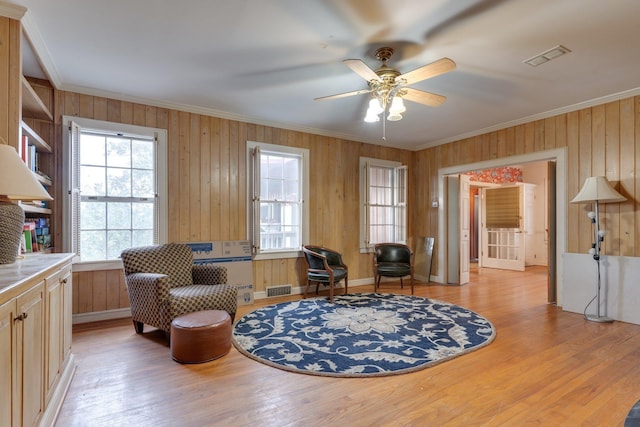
388, 87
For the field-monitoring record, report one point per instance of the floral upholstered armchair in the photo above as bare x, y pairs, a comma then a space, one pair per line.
163, 283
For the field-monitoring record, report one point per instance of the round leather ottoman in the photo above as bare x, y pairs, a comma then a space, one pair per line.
200, 336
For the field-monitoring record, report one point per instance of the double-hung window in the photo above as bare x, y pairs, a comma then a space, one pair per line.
383, 202
116, 188
278, 212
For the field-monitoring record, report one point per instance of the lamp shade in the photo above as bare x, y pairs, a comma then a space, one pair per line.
17, 182
598, 188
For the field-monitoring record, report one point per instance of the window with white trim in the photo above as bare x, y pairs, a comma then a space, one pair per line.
116, 188
383, 202
278, 213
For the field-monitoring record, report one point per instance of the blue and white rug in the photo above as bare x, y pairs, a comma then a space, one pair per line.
360, 335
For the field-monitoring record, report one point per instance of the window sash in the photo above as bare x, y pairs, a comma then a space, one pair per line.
384, 203
74, 235
288, 230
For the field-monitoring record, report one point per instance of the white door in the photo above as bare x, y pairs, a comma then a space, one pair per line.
465, 228
458, 220
502, 228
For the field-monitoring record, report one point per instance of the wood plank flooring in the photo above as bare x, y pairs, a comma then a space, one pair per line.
546, 367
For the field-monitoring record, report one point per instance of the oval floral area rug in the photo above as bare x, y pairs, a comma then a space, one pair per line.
358, 335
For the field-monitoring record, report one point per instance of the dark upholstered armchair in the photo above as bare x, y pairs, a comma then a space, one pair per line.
325, 266
392, 260
163, 283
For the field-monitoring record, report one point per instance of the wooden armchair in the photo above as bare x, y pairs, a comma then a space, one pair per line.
325, 266
163, 283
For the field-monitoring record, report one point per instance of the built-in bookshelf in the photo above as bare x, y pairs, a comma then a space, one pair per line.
37, 152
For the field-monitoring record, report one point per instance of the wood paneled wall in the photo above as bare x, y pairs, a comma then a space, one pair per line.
600, 140
10, 87
208, 185
207, 179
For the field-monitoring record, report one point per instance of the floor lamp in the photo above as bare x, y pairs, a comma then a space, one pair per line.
597, 190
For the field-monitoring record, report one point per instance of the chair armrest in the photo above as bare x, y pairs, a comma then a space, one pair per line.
209, 274
148, 285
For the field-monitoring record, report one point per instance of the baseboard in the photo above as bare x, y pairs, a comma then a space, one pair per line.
120, 313
97, 316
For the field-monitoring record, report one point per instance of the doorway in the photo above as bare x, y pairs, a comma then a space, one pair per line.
556, 246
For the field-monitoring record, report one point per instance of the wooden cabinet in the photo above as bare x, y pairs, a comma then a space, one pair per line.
36, 363
58, 309
23, 345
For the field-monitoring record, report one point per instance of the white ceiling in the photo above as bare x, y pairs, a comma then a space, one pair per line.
264, 61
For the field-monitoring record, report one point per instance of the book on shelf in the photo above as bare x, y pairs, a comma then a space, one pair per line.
29, 232
33, 158
37, 228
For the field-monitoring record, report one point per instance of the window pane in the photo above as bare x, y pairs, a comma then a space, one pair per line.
119, 182
119, 216
142, 183
117, 240
274, 189
93, 215
143, 215
92, 181
291, 169
141, 238
93, 244
142, 154
291, 191
92, 150
119, 152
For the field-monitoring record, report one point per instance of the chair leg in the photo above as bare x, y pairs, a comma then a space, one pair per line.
377, 279
306, 290
331, 291
346, 285
411, 284
401, 284
138, 326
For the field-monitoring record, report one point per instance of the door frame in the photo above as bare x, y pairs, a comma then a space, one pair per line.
559, 155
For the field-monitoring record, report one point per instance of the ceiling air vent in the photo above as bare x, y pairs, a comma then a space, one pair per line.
547, 56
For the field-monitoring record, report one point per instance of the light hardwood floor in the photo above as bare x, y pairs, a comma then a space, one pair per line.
546, 367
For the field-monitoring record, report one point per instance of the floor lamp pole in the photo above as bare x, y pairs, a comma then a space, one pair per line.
596, 257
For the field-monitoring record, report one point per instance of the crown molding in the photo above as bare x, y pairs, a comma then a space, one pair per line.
12, 11
208, 112
545, 115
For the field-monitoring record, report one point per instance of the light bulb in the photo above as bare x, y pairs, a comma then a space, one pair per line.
601, 233
394, 117
375, 107
371, 117
592, 251
397, 106
591, 214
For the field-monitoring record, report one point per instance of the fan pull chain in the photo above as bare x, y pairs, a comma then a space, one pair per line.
384, 126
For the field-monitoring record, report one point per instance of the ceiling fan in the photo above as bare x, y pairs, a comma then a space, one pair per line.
389, 87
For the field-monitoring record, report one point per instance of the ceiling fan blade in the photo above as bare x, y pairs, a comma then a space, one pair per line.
423, 97
436, 68
362, 69
343, 95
